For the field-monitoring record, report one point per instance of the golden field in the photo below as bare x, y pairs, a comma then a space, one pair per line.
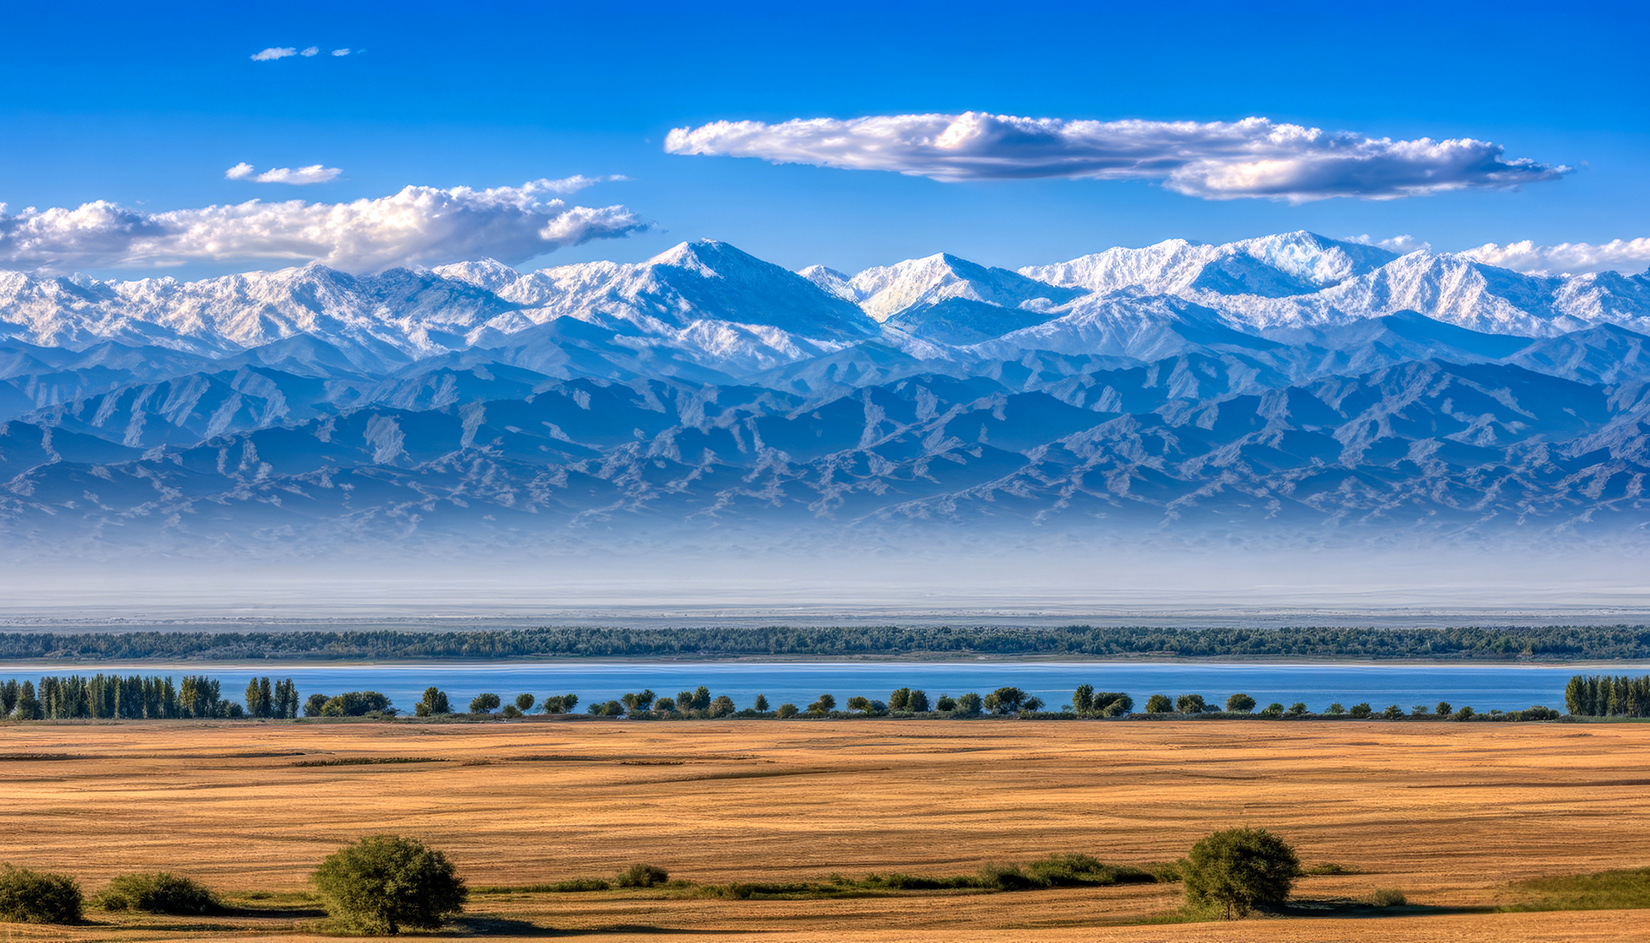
1448, 813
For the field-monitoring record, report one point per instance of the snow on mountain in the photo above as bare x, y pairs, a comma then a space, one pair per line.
887, 291
1268, 266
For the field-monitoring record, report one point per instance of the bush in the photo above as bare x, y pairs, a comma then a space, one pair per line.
1239, 868
642, 875
786, 711
1189, 704
1362, 711
1241, 704
39, 897
1273, 709
970, 704
384, 882
1007, 877
484, 703
1387, 897
945, 704
157, 893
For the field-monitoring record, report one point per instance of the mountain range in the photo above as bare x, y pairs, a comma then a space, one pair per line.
1289, 385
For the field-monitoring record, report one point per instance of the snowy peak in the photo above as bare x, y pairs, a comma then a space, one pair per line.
1270, 266
885, 292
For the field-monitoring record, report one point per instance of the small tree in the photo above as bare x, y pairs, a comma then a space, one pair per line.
760, 705
665, 705
39, 897
1392, 712
1240, 703
1297, 709
917, 703
1239, 868
1362, 711
899, 698
946, 703
970, 703
1159, 704
857, 703
385, 882
1443, 709
824, 705
1189, 704
157, 893
1273, 709
1335, 710
525, 702
1082, 699
786, 711
484, 703
722, 706
434, 702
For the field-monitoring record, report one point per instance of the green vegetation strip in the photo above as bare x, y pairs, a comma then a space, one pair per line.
1487, 643
1605, 890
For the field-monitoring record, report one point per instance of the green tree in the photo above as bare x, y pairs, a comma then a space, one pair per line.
1008, 700
1159, 704
1362, 711
722, 706
1297, 709
1240, 703
39, 897
484, 703
917, 703
1273, 709
1335, 710
525, 702
315, 704
434, 702
157, 893
970, 704
946, 703
760, 705
701, 698
1392, 712
899, 698
385, 882
1443, 709
786, 711
1238, 868
1082, 699
857, 703
1189, 704
665, 705
824, 705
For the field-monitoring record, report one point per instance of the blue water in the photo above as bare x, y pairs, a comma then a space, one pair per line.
1483, 687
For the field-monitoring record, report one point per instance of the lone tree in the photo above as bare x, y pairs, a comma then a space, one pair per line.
385, 882
484, 703
1238, 868
1240, 704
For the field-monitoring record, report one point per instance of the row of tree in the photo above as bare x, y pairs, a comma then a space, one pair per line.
114, 696
133, 697
1488, 643
1606, 696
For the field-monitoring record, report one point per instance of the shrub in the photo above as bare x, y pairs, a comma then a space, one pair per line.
484, 703
1297, 709
945, 704
385, 882
1273, 709
1362, 711
1392, 712
1240, 704
824, 705
1007, 877
642, 875
39, 897
722, 706
970, 703
786, 711
917, 703
157, 893
666, 705
1335, 710
1239, 868
1443, 709
512, 711
434, 702
1189, 704
898, 700
1388, 897
1159, 704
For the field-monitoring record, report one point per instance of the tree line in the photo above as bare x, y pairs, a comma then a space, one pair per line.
100, 696
1471, 643
1607, 696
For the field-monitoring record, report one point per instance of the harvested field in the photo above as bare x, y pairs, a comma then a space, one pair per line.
1446, 813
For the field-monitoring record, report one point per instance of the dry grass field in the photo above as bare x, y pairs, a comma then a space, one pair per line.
1446, 813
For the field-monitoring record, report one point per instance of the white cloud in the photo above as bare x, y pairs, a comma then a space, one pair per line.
1216, 160
340, 52
418, 226
314, 173
1403, 245
311, 51
273, 53
1566, 258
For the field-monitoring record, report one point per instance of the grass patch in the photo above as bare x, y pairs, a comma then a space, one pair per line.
1388, 897
1605, 890
370, 761
1329, 868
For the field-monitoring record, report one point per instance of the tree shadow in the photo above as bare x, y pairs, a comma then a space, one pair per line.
1352, 908
504, 926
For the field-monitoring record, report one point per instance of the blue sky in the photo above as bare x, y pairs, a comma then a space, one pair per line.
147, 107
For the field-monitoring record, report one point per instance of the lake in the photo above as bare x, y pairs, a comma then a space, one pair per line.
1483, 687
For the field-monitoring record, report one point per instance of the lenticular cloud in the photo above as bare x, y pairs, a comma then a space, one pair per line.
418, 226
1214, 160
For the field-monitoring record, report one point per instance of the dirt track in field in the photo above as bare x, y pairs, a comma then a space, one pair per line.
1445, 812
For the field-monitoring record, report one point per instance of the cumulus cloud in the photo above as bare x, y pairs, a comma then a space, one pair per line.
1403, 245
273, 53
1566, 258
341, 52
314, 173
311, 51
1216, 160
418, 226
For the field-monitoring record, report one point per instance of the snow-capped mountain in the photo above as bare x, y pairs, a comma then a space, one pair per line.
1289, 382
